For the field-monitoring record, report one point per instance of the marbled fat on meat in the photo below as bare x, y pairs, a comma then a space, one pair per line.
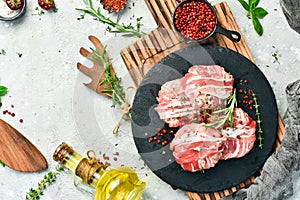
183, 101
195, 147
241, 137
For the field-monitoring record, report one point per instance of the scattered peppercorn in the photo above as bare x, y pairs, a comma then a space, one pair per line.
150, 139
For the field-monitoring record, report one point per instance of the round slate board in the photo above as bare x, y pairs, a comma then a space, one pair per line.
145, 120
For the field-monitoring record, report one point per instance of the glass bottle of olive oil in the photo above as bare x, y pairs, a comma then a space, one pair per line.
121, 183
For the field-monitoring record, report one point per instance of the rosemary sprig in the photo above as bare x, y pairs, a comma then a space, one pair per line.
115, 89
258, 121
49, 178
114, 26
227, 113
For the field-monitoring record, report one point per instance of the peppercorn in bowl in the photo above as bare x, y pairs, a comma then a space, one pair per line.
196, 20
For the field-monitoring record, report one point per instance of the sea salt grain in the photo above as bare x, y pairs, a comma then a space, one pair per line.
5, 11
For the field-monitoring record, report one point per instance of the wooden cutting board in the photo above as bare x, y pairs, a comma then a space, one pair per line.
141, 55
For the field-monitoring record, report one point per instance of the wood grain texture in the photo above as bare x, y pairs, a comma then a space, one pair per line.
140, 56
17, 152
95, 72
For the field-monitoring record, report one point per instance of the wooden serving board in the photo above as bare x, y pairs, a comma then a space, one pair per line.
141, 55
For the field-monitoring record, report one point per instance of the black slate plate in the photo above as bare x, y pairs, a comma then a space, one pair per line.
160, 160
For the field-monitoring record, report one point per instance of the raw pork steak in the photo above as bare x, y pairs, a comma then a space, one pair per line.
195, 147
239, 139
202, 89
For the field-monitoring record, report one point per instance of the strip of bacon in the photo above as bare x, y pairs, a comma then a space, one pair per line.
239, 139
183, 101
195, 147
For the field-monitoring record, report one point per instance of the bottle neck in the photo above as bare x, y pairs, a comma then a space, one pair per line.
88, 169
72, 161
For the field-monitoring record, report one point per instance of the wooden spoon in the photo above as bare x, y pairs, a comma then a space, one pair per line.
17, 152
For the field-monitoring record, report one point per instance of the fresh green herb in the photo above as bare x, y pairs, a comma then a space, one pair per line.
275, 58
227, 113
40, 11
1, 163
3, 91
19, 54
114, 89
49, 178
258, 121
2, 52
113, 26
55, 9
201, 170
255, 13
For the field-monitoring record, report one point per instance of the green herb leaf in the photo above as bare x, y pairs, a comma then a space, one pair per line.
2, 52
257, 26
55, 9
260, 12
258, 121
19, 54
48, 179
3, 90
255, 13
244, 4
253, 4
1, 163
275, 58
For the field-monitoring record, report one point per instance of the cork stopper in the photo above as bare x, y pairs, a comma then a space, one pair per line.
61, 152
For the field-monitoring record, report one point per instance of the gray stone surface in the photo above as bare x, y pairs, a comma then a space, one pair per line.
292, 14
275, 182
44, 81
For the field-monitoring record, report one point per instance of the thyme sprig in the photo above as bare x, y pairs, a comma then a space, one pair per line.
227, 113
114, 26
49, 178
258, 121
